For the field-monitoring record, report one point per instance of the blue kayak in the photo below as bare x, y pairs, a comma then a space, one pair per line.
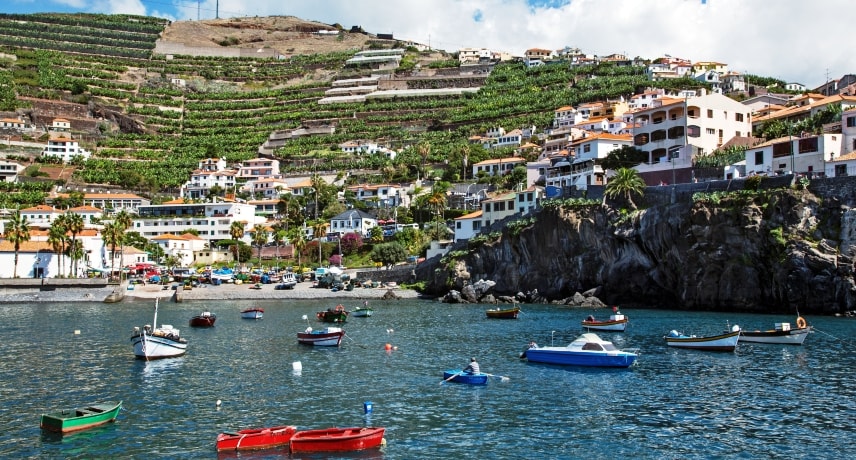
469, 379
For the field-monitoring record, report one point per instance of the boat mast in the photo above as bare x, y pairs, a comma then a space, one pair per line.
155, 323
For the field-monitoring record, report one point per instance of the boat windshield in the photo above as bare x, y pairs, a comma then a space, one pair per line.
592, 346
609, 347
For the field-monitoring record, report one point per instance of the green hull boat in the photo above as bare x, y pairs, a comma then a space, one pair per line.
70, 420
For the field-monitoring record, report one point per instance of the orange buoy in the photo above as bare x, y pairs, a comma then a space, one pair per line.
387, 347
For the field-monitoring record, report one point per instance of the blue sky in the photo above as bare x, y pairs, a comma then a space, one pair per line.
794, 40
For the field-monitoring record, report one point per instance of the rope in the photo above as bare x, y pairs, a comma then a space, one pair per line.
834, 337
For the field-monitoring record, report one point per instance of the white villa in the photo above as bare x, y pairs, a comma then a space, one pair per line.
352, 221
806, 155
497, 166
212, 220
211, 172
64, 148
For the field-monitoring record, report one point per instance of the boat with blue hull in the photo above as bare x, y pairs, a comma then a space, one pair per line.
587, 350
459, 376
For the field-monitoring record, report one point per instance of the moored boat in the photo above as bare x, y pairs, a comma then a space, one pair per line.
71, 420
338, 314
204, 319
783, 334
337, 439
586, 350
362, 312
327, 337
459, 376
616, 323
503, 313
721, 342
152, 342
253, 313
255, 438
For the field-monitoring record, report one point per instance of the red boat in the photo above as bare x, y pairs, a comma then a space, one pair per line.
204, 319
337, 439
255, 439
508, 313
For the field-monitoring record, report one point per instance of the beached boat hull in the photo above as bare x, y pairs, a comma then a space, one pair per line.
336, 439
255, 439
456, 376
722, 342
327, 337
360, 312
204, 320
253, 313
71, 420
791, 337
508, 313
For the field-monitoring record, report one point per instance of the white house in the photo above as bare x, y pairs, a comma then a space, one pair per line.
353, 221
380, 196
269, 188
507, 204
581, 169
848, 130
9, 170
64, 148
259, 168
212, 220
210, 173
182, 247
468, 225
803, 155
60, 125
497, 166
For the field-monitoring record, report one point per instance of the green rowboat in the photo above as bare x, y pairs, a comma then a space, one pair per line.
70, 420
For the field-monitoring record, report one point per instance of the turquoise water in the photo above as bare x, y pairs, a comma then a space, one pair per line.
762, 401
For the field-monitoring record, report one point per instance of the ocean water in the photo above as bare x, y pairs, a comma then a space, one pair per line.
762, 401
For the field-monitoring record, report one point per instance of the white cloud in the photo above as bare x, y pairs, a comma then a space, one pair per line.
793, 40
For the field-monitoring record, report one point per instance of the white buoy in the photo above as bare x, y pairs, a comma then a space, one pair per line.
219, 402
77, 332
297, 366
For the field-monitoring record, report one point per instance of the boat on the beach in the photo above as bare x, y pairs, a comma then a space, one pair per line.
503, 313
337, 314
71, 420
327, 337
722, 342
616, 323
223, 275
783, 334
255, 438
288, 281
337, 439
253, 313
152, 342
204, 319
586, 350
459, 376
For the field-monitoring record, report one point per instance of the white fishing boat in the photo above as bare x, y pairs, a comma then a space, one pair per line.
783, 334
152, 342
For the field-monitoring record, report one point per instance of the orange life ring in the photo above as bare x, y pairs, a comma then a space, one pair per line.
801, 322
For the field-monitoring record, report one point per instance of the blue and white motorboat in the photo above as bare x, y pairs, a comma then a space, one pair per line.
587, 350
459, 376
225, 275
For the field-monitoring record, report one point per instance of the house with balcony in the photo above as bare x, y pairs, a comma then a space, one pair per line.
511, 139
212, 220
468, 225
353, 221
582, 169
380, 196
258, 168
474, 56
805, 106
842, 166
183, 247
211, 173
497, 166
60, 125
565, 116
508, 204
41, 215
9, 170
90, 214
807, 154
64, 148
15, 124
266, 208
268, 188
110, 203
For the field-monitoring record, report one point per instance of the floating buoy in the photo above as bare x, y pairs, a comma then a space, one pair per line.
77, 332
219, 402
367, 407
297, 366
394, 348
387, 347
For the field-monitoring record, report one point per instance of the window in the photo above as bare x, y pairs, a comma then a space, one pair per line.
781, 150
693, 131
738, 117
587, 148
710, 131
808, 145
658, 135
709, 113
851, 122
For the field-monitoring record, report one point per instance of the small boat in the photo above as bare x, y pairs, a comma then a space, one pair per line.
71, 420
327, 337
333, 315
157, 342
224, 275
337, 439
362, 312
616, 323
288, 281
721, 342
253, 313
782, 334
204, 319
459, 376
507, 313
255, 438
587, 350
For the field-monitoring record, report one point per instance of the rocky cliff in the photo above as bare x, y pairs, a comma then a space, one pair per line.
778, 250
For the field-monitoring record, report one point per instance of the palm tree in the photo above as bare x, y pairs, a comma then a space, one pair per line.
57, 238
75, 225
123, 218
298, 240
437, 201
278, 238
260, 237
625, 182
319, 230
236, 231
17, 232
113, 236
424, 150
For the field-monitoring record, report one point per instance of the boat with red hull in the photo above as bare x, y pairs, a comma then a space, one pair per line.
337, 439
327, 337
255, 438
204, 319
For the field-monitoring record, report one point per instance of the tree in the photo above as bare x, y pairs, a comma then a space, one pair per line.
351, 243
74, 223
278, 238
17, 232
299, 242
123, 219
424, 150
57, 238
8, 93
113, 236
376, 235
319, 230
388, 253
626, 156
236, 231
625, 182
515, 177
260, 238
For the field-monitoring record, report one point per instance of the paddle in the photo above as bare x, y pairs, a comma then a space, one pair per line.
501, 377
453, 376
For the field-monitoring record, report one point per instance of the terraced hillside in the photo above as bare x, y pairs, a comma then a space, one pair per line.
157, 115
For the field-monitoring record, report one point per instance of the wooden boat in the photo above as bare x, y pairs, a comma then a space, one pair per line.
157, 342
255, 438
253, 313
362, 312
336, 439
587, 350
721, 342
333, 315
616, 323
327, 337
459, 376
506, 313
204, 319
783, 334
71, 420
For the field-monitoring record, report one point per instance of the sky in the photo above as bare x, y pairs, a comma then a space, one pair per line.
798, 41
